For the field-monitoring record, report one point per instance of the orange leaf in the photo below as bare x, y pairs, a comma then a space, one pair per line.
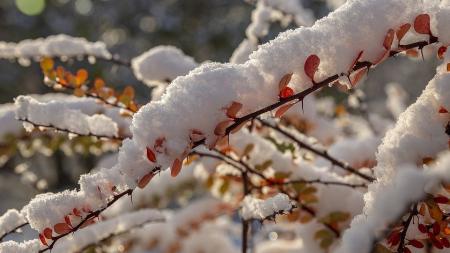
234, 108
176, 167
129, 92
42, 238
88, 222
62, 228
422, 24
412, 53
79, 92
221, 128
312, 65
99, 83
81, 77
402, 30
434, 210
282, 110
389, 39
76, 212
284, 81
48, 233
441, 52
448, 67
286, 92
239, 127
150, 155
145, 180
358, 76
381, 58
47, 64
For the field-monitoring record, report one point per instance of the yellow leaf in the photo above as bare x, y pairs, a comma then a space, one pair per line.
434, 210
47, 64
99, 84
78, 92
129, 92
81, 77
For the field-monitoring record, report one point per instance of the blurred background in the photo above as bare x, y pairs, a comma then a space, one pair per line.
208, 30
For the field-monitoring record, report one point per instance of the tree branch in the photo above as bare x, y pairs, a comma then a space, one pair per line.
13, 231
322, 153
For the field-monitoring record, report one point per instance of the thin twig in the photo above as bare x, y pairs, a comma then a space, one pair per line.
115, 138
13, 230
322, 153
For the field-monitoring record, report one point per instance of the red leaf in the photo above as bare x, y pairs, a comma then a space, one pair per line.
436, 228
221, 128
150, 155
145, 180
407, 250
311, 65
284, 81
442, 110
381, 58
62, 228
358, 76
176, 167
48, 233
282, 110
387, 44
445, 242
196, 135
394, 238
234, 108
436, 243
402, 30
416, 244
76, 212
67, 220
441, 52
42, 238
286, 92
159, 143
422, 228
441, 199
88, 222
422, 24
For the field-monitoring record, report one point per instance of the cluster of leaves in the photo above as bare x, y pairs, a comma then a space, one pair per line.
61, 78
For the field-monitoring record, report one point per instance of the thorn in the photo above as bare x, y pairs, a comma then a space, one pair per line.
421, 52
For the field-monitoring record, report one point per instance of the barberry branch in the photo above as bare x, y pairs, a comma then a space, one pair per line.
13, 230
114, 138
322, 153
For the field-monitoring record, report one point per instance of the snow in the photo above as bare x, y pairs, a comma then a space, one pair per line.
162, 64
396, 99
59, 115
99, 231
15, 247
10, 220
53, 46
253, 208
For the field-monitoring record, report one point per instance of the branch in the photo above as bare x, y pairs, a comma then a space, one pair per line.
401, 246
119, 138
12, 231
322, 153
327, 81
89, 217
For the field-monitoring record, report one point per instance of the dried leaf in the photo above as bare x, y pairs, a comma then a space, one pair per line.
234, 108
145, 180
48, 233
47, 64
286, 92
311, 66
441, 52
388, 39
81, 77
402, 30
151, 155
176, 167
284, 81
283, 109
422, 24
62, 228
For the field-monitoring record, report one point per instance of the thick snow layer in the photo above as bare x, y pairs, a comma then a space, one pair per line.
53, 46
15, 247
195, 103
162, 64
389, 200
59, 115
10, 220
259, 209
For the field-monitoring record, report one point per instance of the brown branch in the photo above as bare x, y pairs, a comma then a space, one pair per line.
322, 153
320, 181
401, 246
119, 138
90, 216
318, 85
92, 95
12, 231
